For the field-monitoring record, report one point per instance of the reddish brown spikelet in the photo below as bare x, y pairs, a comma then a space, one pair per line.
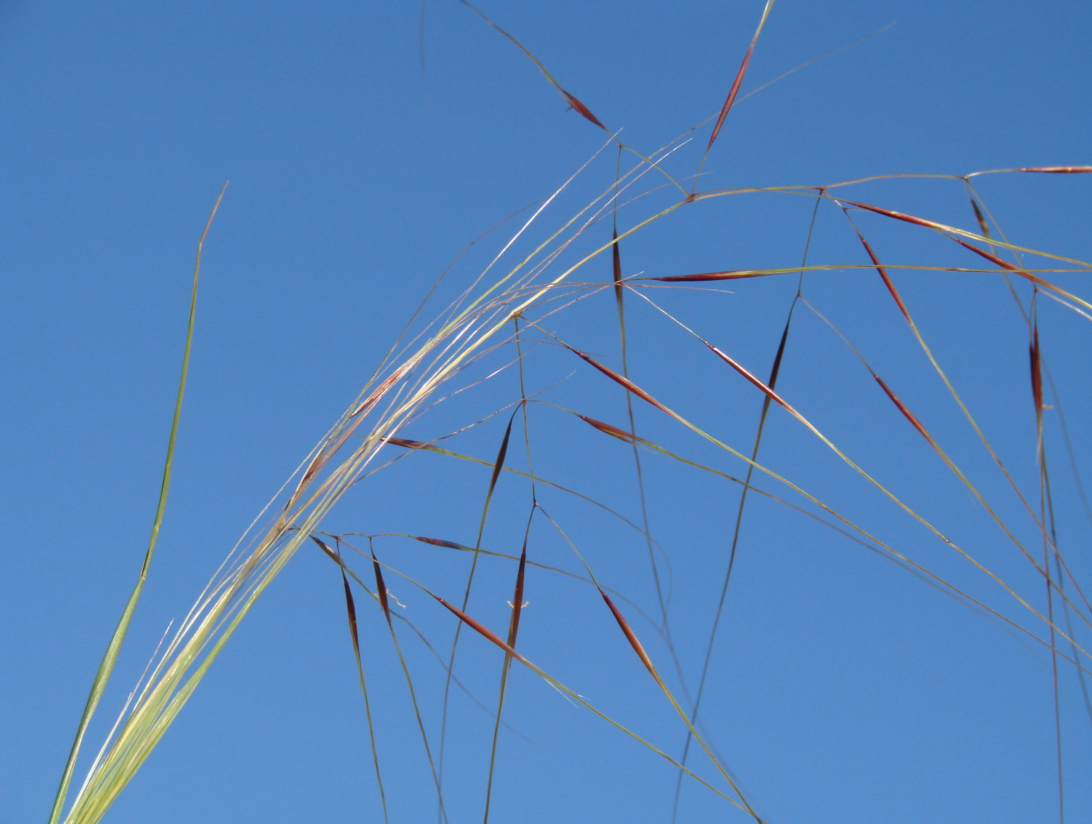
775, 370
313, 469
348, 431
480, 628
933, 225
920, 221
328, 452
381, 588
769, 392
732, 93
902, 408
1036, 374
981, 218
729, 275
501, 453
886, 279
1004, 264
1059, 170
631, 636
584, 110
621, 434
616, 257
406, 443
517, 600
440, 542
350, 604
327, 550
377, 393
624, 381
350, 608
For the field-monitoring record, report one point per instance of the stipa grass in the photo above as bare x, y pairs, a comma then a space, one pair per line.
510, 318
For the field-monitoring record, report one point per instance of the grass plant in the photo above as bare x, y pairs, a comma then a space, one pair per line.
513, 315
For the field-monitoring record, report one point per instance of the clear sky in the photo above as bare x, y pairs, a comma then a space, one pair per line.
841, 687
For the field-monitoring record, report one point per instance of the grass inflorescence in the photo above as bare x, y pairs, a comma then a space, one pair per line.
511, 316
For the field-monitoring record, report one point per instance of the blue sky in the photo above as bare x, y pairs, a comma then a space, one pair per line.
842, 687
